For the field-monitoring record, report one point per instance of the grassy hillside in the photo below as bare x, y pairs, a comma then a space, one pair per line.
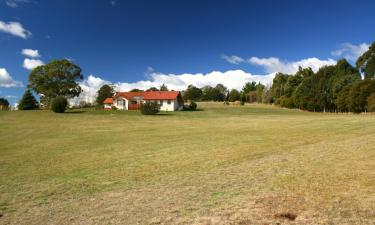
250, 164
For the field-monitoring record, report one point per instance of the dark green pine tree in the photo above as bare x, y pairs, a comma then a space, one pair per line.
28, 101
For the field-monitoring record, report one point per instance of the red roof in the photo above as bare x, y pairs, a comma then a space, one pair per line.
108, 101
149, 95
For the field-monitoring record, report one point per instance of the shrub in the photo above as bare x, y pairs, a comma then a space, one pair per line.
59, 104
149, 108
193, 106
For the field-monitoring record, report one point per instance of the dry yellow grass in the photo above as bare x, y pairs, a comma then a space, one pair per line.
252, 164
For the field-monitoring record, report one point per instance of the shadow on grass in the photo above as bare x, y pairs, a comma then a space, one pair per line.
74, 112
192, 110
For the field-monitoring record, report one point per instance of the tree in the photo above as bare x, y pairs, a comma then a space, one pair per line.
207, 93
249, 87
371, 103
219, 93
366, 62
4, 104
152, 89
104, 92
342, 101
163, 87
58, 78
136, 90
278, 86
259, 90
28, 101
234, 95
59, 104
192, 93
359, 93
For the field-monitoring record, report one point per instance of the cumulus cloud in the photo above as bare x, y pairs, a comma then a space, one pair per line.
89, 86
231, 79
14, 28
351, 52
273, 65
233, 59
15, 3
30, 64
30, 53
7, 81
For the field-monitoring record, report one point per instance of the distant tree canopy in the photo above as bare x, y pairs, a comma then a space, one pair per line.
234, 95
106, 91
136, 90
28, 101
366, 62
152, 89
57, 78
192, 93
163, 87
4, 104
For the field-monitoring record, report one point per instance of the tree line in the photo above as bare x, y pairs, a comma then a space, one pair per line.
336, 88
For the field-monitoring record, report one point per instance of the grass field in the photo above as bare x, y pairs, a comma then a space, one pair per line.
252, 164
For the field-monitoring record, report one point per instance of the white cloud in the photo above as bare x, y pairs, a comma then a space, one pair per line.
233, 59
231, 79
30, 64
7, 81
14, 3
30, 53
14, 28
273, 65
351, 52
89, 86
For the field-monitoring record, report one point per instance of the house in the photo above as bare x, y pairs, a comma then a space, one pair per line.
168, 100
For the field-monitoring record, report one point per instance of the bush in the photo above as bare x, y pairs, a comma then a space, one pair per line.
149, 108
59, 104
193, 106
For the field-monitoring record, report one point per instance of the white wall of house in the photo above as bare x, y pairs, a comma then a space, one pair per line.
167, 105
121, 103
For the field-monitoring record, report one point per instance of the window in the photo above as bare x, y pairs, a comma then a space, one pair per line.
161, 102
120, 102
169, 102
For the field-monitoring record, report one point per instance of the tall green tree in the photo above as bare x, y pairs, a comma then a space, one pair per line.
359, 93
207, 93
366, 62
234, 95
57, 78
219, 93
279, 86
249, 86
106, 91
192, 93
28, 101
259, 90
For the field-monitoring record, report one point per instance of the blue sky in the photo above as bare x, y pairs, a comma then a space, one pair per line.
144, 43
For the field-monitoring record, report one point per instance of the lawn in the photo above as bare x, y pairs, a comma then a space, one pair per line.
252, 164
